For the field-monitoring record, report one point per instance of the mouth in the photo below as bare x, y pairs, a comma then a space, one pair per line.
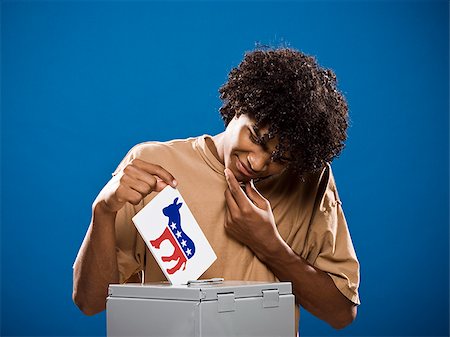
246, 172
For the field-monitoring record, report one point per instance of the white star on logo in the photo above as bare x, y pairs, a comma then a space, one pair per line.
183, 243
173, 225
178, 234
188, 252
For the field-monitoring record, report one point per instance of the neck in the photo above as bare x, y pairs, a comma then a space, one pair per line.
215, 144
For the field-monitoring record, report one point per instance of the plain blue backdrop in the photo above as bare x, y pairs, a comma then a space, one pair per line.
82, 82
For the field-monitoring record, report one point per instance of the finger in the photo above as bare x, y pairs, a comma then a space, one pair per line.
255, 196
157, 170
232, 206
156, 183
235, 189
143, 187
127, 194
228, 221
135, 172
160, 185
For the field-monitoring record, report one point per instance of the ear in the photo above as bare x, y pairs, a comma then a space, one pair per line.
175, 200
179, 205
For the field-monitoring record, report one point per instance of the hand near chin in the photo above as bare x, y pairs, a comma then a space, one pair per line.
249, 217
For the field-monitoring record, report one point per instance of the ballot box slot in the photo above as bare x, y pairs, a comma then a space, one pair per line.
154, 291
155, 298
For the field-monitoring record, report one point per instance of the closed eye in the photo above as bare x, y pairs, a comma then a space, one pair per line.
282, 160
254, 138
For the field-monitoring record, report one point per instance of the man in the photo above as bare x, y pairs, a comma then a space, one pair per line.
262, 191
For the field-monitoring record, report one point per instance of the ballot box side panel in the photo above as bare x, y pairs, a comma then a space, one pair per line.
249, 318
133, 317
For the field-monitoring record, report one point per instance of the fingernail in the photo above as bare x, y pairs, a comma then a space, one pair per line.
174, 183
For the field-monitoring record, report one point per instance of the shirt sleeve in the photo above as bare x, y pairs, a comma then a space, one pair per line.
330, 245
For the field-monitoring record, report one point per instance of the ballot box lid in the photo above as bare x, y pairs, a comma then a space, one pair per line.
197, 292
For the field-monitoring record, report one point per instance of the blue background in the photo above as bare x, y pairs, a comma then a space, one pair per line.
82, 82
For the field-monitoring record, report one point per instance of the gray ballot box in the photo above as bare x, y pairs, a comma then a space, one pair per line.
230, 308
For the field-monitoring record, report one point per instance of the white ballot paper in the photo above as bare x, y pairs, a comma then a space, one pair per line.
174, 237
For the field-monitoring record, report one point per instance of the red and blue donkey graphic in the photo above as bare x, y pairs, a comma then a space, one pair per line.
184, 247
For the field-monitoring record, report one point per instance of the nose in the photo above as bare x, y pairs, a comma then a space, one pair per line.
259, 161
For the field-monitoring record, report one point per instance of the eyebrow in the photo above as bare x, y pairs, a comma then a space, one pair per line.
255, 129
261, 139
284, 158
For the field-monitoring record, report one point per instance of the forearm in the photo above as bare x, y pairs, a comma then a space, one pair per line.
314, 289
96, 264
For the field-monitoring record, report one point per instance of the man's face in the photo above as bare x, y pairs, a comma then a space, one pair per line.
247, 157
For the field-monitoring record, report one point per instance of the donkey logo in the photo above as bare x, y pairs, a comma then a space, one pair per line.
184, 247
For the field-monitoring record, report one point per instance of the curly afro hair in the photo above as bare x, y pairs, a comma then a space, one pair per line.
296, 98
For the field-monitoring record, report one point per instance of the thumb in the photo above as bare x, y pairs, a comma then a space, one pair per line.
255, 196
160, 185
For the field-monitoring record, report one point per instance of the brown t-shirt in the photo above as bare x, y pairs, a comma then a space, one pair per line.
308, 215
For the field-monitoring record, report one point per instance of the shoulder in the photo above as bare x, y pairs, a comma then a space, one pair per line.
324, 184
313, 184
316, 191
157, 152
153, 150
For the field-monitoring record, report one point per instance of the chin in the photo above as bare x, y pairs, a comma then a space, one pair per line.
239, 176
244, 179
